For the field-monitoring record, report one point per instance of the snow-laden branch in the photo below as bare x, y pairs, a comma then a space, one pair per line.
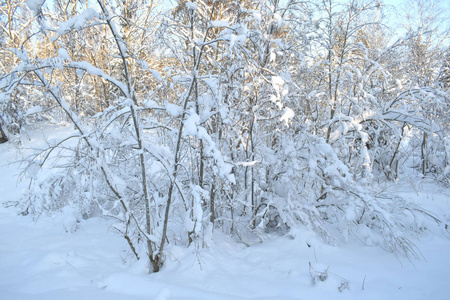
87, 67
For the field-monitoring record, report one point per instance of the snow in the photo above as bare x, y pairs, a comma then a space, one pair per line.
277, 83
33, 110
173, 109
78, 21
35, 5
257, 16
287, 115
237, 39
86, 66
279, 20
220, 23
63, 54
191, 6
128, 102
41, 259
190, 124
119, 184
143, 64
247, 163
156, 75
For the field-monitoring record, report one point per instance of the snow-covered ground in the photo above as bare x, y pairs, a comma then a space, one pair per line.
51, 259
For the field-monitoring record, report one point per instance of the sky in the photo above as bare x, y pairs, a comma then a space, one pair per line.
395, 11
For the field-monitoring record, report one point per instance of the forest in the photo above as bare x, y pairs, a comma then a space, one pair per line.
251, 118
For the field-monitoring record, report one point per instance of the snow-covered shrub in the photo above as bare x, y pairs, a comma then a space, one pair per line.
314, 188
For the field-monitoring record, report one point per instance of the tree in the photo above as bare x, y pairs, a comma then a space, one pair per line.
14, 22
3, 137
444, 75
428, 34
248, 117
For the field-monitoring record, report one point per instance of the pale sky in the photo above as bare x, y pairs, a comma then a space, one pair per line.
394, 14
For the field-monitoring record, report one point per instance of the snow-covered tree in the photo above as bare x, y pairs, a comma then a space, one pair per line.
251, 117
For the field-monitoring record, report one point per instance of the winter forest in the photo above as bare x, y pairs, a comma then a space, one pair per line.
252, 119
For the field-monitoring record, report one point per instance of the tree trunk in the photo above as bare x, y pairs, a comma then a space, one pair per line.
423, 150
3, 137
212, 204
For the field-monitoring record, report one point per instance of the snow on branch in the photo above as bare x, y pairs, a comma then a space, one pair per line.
85, 66
77, 22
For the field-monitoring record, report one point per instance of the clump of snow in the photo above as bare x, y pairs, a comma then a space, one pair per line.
279, 20
78, 22
287, 115
156, 75
63, 54
237, 39
128, 102
149, 103
280, 88
173, 109
33, 110
191, 6
191, 123
220, 23
143, 64
257, 16
35, 6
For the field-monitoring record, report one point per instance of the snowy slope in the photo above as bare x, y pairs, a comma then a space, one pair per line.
56, 258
